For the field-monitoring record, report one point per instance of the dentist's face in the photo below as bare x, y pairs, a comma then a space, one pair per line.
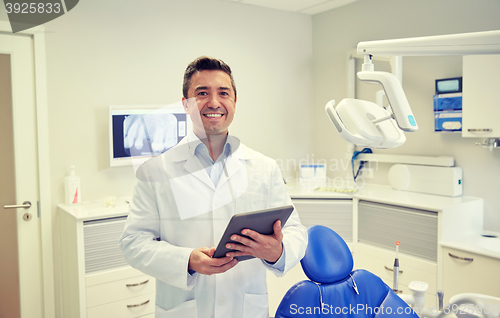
211, 102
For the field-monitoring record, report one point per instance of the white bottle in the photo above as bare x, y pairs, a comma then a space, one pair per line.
72, 189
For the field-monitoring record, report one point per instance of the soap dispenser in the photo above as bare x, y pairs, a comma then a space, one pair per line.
72, 191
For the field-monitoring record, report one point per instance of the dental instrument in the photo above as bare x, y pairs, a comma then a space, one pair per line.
396, 270
367, 124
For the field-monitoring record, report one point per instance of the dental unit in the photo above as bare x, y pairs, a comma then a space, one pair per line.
367, 124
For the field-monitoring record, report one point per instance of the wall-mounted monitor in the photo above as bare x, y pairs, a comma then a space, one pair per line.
139, 132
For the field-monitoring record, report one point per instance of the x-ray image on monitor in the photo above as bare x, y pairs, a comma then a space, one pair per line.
151, 134
143, 133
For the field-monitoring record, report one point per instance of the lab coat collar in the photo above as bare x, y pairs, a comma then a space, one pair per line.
200, 147
185, 150
187, 146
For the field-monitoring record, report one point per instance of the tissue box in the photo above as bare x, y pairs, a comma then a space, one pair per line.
447, 102
445, 121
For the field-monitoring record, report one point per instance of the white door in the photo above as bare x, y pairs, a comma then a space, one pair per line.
20, 249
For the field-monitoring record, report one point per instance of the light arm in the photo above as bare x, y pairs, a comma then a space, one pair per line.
396, 97
487, 42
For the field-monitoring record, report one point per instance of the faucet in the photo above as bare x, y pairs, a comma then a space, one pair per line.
490, 143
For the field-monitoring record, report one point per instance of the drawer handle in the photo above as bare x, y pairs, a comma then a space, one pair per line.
138, 284
138, 305
480, 130
468, 259
390, 269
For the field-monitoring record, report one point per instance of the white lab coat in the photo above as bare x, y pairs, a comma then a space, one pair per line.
165, 224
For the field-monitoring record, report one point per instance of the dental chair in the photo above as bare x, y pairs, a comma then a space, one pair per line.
334, 289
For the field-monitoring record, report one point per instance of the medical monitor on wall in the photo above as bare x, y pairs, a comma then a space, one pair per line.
140, 132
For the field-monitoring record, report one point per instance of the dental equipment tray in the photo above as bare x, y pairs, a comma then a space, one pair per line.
259, 221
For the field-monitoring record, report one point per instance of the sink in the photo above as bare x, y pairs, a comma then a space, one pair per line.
466, 305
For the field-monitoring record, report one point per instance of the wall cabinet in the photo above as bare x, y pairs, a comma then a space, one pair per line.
481, 114
96, 280
465, 272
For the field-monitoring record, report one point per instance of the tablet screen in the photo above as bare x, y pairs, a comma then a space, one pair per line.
259, 221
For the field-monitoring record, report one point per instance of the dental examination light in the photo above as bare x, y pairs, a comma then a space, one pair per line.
364, 123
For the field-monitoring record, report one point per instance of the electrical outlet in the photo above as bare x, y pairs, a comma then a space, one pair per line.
367, 173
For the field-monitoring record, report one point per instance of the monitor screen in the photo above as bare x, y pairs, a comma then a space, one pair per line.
138, 133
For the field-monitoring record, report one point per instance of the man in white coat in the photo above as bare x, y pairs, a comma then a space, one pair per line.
184, 200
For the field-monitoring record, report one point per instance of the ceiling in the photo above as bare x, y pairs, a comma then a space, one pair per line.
301, 6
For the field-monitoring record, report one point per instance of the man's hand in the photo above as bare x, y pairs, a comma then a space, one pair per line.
266, 247
201, 261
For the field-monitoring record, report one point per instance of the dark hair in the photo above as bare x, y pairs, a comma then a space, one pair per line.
205, 63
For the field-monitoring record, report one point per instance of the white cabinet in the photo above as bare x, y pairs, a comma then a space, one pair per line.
466, 272
481, 111
96, 280
380, 226
420, 222
380, 261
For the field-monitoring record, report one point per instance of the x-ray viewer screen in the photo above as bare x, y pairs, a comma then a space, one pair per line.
146, 133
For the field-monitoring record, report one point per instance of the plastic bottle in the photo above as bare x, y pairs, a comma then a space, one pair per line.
72, 189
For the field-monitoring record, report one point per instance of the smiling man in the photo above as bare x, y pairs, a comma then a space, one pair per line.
184, 200
210, 100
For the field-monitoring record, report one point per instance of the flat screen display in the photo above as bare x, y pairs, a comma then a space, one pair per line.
141, 132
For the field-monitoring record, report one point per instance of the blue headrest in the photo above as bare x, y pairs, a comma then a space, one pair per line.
328, 258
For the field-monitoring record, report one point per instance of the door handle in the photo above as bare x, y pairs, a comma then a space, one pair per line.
25, 205
138, 305
138, 284
468, 259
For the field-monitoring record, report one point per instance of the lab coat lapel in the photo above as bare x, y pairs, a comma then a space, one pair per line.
194, 167
235, 175
192, 188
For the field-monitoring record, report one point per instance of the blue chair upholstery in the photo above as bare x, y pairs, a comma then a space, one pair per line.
344, 293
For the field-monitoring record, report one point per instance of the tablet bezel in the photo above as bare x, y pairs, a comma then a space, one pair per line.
261, 221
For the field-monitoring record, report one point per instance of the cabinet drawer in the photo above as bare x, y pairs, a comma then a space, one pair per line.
465, 276
380, 262
145, 305
120, 289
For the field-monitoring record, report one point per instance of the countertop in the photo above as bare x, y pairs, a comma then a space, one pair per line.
477, 244
91, 210
385, 194
474, 243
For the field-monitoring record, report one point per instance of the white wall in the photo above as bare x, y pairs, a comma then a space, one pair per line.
338, 31
135, 52
119, 52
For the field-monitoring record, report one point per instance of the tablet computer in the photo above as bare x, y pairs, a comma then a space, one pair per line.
259, 221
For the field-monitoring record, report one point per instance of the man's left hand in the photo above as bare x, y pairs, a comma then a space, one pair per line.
266, 247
